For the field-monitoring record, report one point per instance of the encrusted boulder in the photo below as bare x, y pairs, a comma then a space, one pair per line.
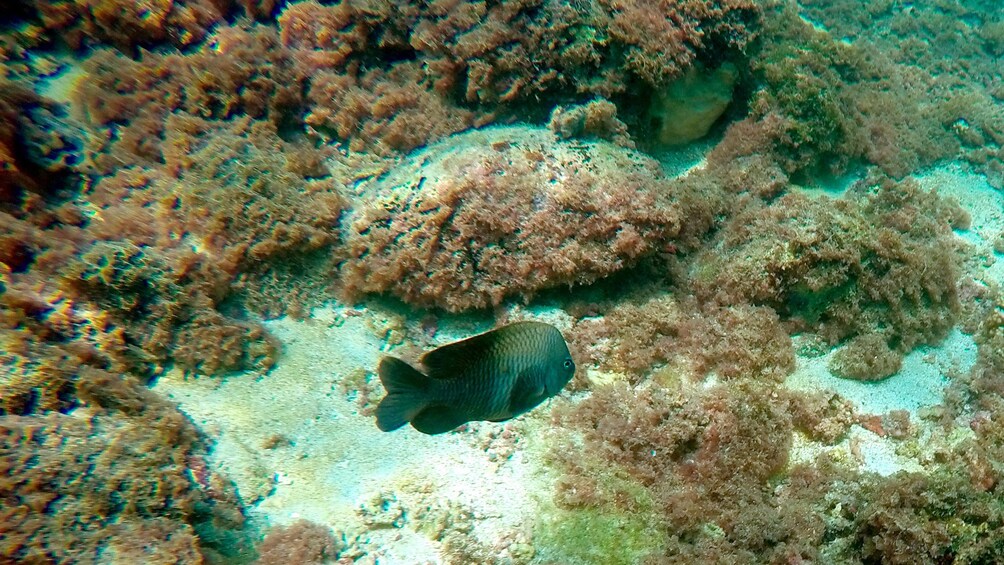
505, 212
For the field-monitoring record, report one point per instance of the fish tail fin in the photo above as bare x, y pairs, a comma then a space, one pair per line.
406, 394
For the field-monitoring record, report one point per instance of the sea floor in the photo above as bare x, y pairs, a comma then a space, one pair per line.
298, 445
300, 442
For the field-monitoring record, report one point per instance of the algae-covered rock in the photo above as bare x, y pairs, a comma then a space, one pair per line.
881, 259
505, 212
866, 358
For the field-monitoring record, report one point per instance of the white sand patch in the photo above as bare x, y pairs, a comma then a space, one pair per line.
919, 383
862, 449
60, 85
982, 201
684, 160
869, 452
338, 468
925, 372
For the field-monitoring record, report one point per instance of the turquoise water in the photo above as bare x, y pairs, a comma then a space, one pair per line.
767, 231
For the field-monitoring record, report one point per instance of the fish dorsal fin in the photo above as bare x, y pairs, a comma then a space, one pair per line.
455, 359
451, 360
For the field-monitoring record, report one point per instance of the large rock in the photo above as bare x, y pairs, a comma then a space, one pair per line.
505, 212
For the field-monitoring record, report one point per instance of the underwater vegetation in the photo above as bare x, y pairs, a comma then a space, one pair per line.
172, 175
128, 482
881, 260
468, 230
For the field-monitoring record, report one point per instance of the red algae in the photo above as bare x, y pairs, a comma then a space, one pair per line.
119, 482
300, 542
887, 99
130, 25
222, 162
866, 357
881, 258
505, 213
637, 336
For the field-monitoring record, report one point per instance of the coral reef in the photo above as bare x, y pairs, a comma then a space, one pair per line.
383, 112
395, 76
597, 118
224, 161
489, 58
822, 416
39, 146
597, 47
107, 282
247, 73
879, 268
987, 381
701, 462
136, 276
505, 213
48, 346
128, 24
685, 476
131, 25
803, 102
903, 521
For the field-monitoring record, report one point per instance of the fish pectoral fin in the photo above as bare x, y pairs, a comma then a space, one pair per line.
437, 420
525, 396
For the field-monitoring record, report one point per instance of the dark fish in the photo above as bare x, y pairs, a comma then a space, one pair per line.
493, 376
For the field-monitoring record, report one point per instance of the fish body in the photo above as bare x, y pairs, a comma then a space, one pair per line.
492, 376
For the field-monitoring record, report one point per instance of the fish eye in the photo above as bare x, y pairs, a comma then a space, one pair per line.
568, 364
